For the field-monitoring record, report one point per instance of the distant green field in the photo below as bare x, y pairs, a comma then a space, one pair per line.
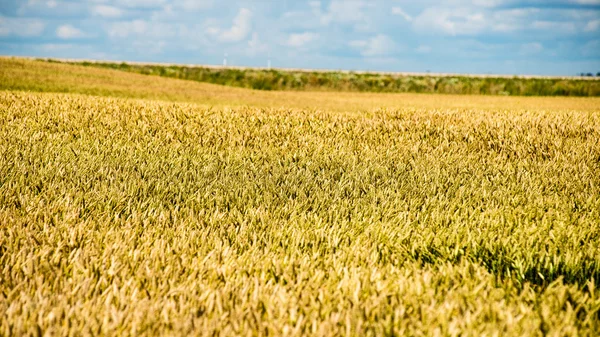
138, 205
364, 82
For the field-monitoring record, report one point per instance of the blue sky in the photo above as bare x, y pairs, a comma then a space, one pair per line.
465, 36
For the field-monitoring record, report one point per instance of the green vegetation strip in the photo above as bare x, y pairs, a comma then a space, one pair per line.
364, 82
125, 217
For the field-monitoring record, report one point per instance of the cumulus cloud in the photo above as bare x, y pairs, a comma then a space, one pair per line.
592, 26
241, 28
488, 3
256, 46
472, 21
193, 5
22, 27
399, 11
509, 20
314, 30
341, 11
379, 45
298, 40
144, 29
39, 3
451, 21
586, 2
142, 3
69, 32
555, 26
107, 11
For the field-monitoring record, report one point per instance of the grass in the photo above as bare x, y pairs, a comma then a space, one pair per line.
196, 214
365, 82
37, 76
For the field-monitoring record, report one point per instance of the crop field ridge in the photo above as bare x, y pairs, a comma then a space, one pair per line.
350, 81
173, 208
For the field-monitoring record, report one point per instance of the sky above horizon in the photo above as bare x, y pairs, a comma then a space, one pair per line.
455, 36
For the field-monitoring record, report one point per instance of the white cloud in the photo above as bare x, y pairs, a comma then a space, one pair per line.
592, 26
107, 11
488, 3
44, 8
451, 21
124, 29
379, 45
242, 25
315, 5
301, 39
554, 26
22, 27
586, 2
472, 21
69, 32
40, 3
402, 13
256, 46
142, 3
578, 15
142, 29
342, 11
297, 20
194, 5
509, 20
173, 8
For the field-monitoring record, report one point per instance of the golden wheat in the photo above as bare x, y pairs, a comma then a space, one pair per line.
434, 215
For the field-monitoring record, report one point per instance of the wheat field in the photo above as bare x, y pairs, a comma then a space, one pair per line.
135, 205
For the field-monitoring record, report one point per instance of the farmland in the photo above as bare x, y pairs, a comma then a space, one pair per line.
313, 80
142, 205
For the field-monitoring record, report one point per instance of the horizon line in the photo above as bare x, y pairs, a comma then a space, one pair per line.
306, 70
